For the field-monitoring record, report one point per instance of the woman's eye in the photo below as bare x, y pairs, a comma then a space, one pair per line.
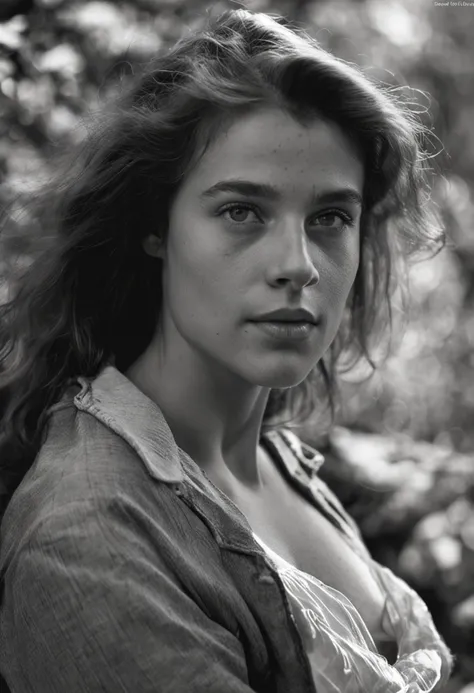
334, 220
239, 213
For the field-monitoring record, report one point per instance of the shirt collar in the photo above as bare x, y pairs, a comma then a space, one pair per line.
113, 399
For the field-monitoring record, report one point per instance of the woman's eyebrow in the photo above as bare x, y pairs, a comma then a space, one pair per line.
265, 190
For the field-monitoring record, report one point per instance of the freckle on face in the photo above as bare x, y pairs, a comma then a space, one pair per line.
218, 271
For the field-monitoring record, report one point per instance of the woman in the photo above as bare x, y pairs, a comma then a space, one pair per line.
228, 234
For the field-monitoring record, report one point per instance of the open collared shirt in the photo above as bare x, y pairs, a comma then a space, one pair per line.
125, 569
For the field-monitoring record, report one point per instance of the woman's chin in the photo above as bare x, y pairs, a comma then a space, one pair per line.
281, 379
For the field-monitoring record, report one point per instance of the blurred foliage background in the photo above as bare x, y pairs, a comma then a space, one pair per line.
402, 455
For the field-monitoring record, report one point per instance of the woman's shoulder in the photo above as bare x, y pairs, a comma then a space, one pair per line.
86, 474
81, 455
303, 462
293, 450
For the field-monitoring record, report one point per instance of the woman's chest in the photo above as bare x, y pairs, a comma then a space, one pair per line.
301, 535
299, 532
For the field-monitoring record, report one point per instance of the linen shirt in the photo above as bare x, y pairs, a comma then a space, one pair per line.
124, 568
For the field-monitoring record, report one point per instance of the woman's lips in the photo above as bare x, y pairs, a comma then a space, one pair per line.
286, 330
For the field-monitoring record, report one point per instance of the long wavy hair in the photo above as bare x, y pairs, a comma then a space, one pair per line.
90, 294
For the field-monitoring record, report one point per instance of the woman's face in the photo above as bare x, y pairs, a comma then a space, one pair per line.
267, 220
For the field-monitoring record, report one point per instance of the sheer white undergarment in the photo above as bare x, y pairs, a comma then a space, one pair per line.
341, 651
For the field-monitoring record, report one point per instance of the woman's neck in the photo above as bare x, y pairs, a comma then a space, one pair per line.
214, 417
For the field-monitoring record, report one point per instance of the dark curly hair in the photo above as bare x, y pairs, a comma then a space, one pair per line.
91, 294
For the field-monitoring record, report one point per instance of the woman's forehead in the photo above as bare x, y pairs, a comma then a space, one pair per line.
271, 145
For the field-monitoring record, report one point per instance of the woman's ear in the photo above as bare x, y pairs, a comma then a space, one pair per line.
154, 245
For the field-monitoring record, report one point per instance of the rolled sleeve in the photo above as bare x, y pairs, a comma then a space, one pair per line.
90, 605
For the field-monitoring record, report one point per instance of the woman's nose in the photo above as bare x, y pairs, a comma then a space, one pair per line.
291, 263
